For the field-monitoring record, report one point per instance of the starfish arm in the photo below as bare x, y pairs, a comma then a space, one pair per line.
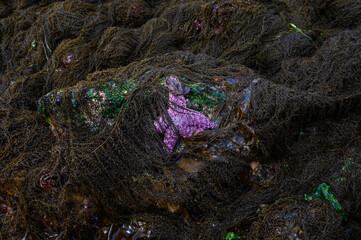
201, 121
159, 124
170, 139
177, 102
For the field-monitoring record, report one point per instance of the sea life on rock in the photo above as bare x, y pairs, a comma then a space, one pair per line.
47, 181
228, 80
221, 12
186, 121
259, 116
96, 106
93, 107
33, 43
204, 98
6, 213
198, 24
323, 191
231, 236
175, 86
67, 60
4, 209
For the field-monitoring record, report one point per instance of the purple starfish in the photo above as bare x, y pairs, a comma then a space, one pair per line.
68, 60
188, 122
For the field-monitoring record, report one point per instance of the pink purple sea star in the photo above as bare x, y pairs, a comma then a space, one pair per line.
68, 60
187, 122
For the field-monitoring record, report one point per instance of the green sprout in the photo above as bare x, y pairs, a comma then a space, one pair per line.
33, 43
300, 31
349, 162
344, 170
231, 236
47, 118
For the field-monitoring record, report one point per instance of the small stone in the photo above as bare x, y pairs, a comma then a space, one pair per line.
262, 205
190, 165
4, 209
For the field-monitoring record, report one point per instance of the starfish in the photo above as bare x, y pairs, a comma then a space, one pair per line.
188, 122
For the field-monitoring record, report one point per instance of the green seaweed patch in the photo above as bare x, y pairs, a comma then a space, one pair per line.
80, 117
41, 109
45, 103
73, 101
115, 94
47, 118
162, 80
93, 94
231, 236
203, 95
323, 191
112, 110
344, 170
4, 220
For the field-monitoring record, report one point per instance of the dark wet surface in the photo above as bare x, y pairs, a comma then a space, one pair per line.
82, 82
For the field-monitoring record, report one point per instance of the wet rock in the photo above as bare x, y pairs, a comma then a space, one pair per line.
96, 107
134, 230
190, 165
87, 208
288, 218
92, 107
12, 185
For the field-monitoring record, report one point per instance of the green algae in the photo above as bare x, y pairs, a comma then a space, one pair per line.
91, 106
323, 191
203, 96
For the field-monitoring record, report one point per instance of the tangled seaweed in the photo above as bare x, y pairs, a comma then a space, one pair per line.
82, 83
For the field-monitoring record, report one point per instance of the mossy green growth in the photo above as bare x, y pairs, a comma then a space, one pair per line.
344, 170
4, 220
203, 95
115, 94
80, 117
93, 106
92, 94
99, 104
231, 236
323, 191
